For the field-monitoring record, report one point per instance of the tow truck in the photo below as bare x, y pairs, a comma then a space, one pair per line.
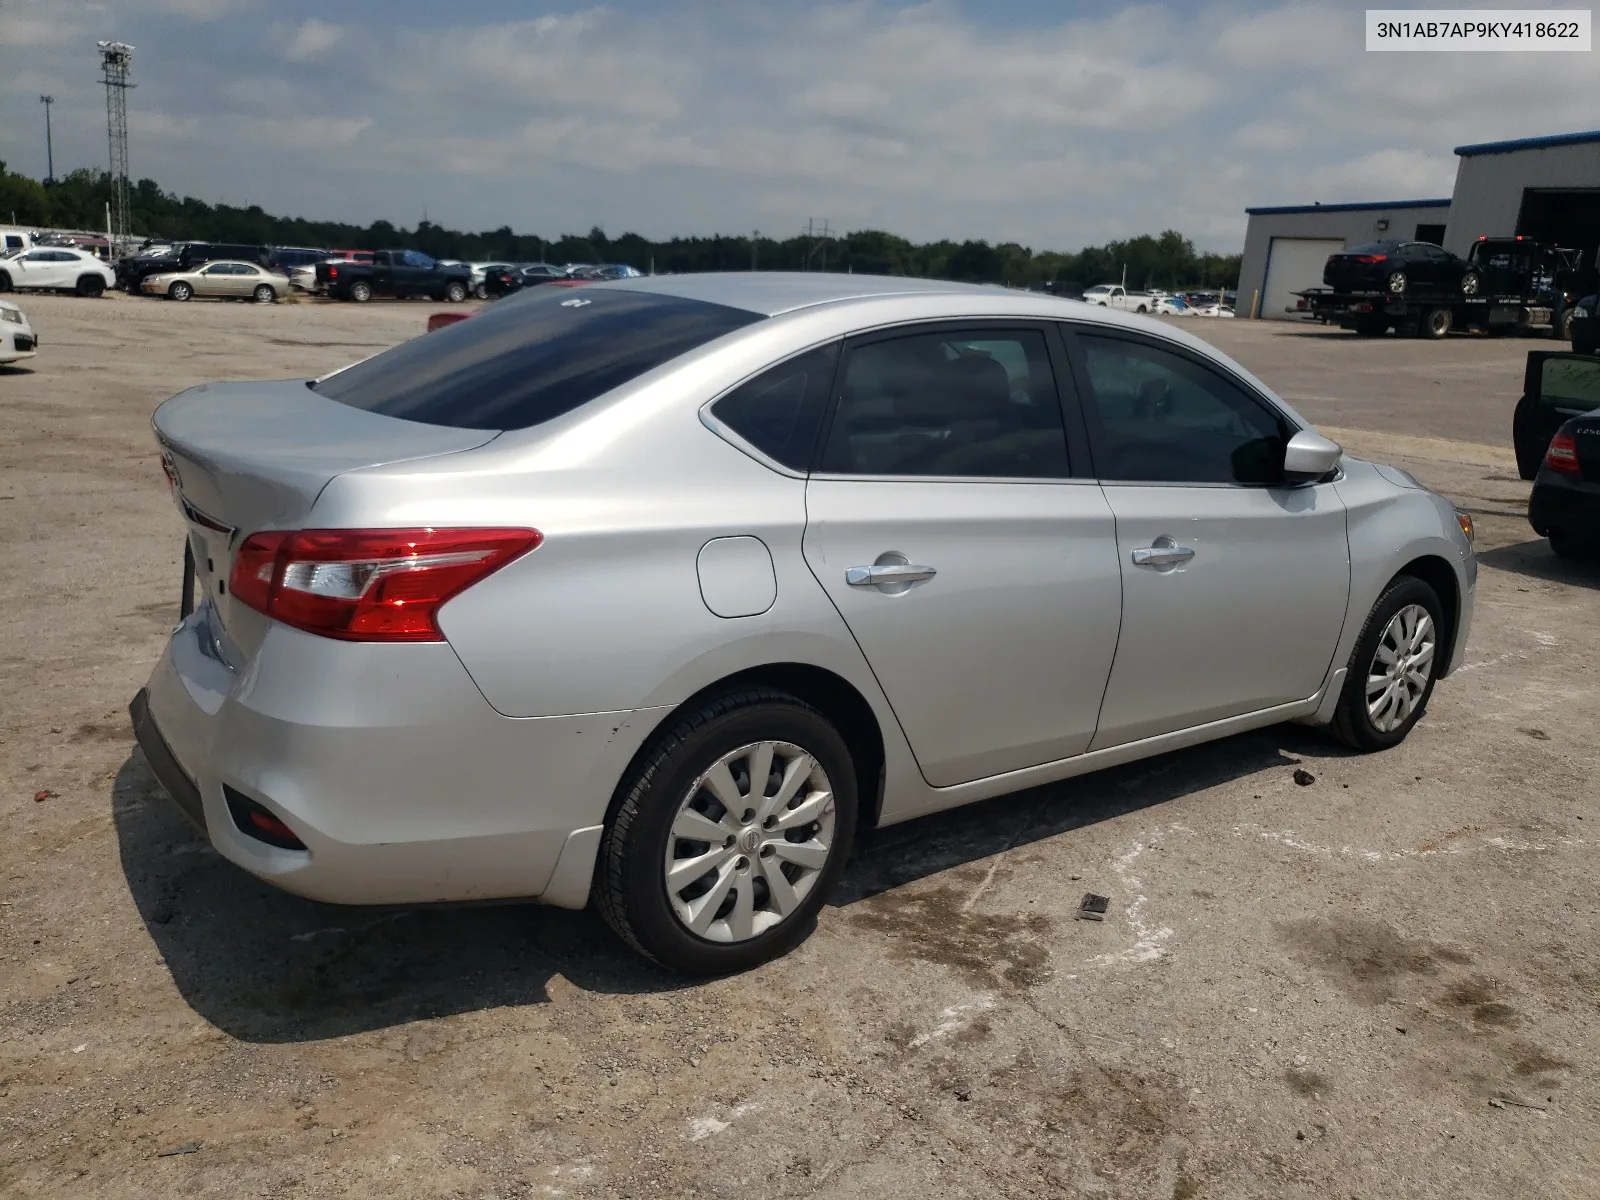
1511, 284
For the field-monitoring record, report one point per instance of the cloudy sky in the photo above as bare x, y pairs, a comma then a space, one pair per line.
1050, 122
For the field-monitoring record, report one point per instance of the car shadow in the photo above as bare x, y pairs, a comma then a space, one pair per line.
15, 369
267, 967
1536, 560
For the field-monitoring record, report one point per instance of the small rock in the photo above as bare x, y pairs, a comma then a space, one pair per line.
1304, 777
694, 1062
1299, 1135
41, 796
1399, 1028
184, 1148
1299, 1060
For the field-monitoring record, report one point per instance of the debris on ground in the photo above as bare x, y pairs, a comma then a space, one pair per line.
184, 1148
1503, 1101
44, 794
1537, 735
1092, 907
1304, 777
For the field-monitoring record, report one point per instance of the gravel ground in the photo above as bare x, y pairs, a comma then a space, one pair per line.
1380, 984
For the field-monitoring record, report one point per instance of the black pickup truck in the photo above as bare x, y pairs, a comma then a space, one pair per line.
1504, 284
398, 273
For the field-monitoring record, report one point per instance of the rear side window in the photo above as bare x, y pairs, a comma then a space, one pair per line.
1570, 384
525, 360
780, 411
968, 403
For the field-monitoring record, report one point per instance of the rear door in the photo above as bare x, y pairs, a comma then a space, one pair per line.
977, 573
1234, 585
1557, 386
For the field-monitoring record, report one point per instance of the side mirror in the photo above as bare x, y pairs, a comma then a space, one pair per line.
1309, 456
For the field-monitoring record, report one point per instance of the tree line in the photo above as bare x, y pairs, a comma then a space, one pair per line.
1168, 260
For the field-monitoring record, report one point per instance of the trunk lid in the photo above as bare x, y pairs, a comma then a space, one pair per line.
1347, 273
245, 457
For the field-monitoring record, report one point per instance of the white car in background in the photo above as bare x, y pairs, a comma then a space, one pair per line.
1114, 295
56, 268
17, 339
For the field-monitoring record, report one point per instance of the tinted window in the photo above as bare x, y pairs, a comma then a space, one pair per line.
779, 412
530, 358
972, 403
1570, 383
1160, 417
1373, 248
413, 258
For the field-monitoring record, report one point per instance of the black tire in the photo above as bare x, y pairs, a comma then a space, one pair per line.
1573, 548
5, 282
1396, 283
1435, 323
360, 291
480, 292
1352, 724
180, 291
1561, 325
455, 292
265, 293
630, 887
91, 286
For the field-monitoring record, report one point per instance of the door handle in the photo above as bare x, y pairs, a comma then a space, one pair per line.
881, 573
1162, 556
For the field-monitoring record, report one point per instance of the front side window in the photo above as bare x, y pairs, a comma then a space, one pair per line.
780, 411
1160, 417
978, 403
530, 358
413, 258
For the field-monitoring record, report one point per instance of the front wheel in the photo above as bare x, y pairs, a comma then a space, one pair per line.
5, 282
180, 291
729, 834
91, 286
265, 294
455, 292
1392, 669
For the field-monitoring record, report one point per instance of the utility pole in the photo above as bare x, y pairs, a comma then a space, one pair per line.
49, 143
755, 236
116, 59
817, 240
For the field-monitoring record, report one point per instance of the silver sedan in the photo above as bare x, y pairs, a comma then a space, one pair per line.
655, 593
226, 280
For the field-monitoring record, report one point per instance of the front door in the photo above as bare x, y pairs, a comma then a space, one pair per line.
1234, 585
978, 576
212, 280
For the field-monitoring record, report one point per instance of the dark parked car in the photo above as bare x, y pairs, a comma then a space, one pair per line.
398, 273
286, 258
503, 280
1556, 430
607, 271
1397, 267
1585, 326
183, 256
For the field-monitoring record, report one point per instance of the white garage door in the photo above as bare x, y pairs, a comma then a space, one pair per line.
1294, 264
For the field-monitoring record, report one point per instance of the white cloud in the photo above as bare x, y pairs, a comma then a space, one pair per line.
313, 38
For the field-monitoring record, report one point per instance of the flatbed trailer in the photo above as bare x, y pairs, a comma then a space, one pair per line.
1511, 285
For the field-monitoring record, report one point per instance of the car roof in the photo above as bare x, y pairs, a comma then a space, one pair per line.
773, 292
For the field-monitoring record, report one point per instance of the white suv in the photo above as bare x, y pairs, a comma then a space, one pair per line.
56, 268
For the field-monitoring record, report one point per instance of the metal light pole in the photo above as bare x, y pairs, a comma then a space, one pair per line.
49, 142
116, 59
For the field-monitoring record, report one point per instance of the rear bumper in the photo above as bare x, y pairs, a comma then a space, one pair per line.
404, 785
1563, 506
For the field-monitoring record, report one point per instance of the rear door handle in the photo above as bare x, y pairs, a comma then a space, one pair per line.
881, 573
1161, 556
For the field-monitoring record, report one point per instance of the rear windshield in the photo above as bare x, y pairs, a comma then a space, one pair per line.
1374, 248
525, 360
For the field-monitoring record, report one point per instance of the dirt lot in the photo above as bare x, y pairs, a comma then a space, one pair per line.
1316, 991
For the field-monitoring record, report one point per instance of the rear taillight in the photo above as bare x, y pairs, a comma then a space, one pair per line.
1563, 454
369, 585
1371, 258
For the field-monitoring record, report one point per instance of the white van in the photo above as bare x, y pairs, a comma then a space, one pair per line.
13, 239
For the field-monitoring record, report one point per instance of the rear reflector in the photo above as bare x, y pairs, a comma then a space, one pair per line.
257, 821
369, 585
1563, 454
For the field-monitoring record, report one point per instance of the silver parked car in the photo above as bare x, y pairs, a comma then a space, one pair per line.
224, 279
655, 592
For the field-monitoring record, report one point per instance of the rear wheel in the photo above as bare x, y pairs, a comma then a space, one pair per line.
360, 291
1396, 282
729, 835
1435, 323
1469, 283
1392, 669
1564, 545
265, 294
180, 291
1561, 325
